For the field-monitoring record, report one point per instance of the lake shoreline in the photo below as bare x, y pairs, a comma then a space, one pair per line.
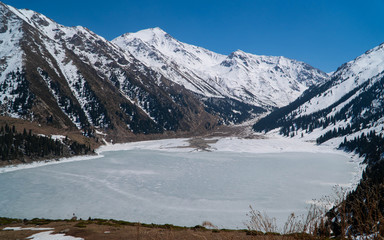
258, 144
247, 142
193, 165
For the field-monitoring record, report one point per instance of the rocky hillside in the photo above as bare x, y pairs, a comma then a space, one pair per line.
69, 77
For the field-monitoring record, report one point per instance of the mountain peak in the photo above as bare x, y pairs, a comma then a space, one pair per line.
238, 54
157, 30
148, 35
238, 51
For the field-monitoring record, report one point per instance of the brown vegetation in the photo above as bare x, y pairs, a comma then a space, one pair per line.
98, 229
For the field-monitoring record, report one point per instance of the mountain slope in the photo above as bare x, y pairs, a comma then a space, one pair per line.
70, 77
346, 113
347, 106
262, 81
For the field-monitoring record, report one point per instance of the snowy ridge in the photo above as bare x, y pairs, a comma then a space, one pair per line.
162, 52
258, 80
106, 58
79, 39
369, 66
267, 80
349, 106
82, 42
11, 59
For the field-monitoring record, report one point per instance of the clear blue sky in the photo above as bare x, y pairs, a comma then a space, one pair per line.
323, 33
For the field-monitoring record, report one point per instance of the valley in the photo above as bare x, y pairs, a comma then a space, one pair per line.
186, 133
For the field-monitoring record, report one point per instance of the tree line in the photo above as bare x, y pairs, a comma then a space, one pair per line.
362, 211
14, 145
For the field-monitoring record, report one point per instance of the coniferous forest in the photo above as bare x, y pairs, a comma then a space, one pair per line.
28, 146
363, 208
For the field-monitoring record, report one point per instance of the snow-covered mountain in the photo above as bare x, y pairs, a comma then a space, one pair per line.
147, 82
263, 81
347, 106
70, 77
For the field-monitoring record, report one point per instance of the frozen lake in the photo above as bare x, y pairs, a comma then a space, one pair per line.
175, 187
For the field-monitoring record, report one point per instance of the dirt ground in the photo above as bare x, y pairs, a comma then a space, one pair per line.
203, 142
113, 230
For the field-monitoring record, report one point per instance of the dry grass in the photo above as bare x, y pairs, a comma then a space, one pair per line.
115, 230
296, 226
317, 223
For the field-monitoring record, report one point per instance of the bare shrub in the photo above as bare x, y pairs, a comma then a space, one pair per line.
261, 222
208, 224
311, 224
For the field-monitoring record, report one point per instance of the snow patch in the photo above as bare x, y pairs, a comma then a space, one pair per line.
50, 236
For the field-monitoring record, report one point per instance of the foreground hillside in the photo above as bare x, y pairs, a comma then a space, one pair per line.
99, 229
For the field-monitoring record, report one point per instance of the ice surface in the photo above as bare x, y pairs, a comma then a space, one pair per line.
177, 185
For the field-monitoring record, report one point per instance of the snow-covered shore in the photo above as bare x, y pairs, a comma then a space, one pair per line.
36, 164
271, 143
